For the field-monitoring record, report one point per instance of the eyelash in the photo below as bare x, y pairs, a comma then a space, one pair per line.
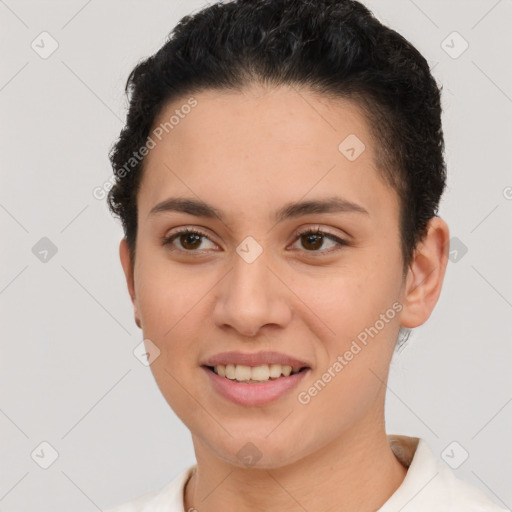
186, 231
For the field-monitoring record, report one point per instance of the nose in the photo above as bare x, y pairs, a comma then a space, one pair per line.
251, 296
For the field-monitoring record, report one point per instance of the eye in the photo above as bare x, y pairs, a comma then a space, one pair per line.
314, 239
190, 239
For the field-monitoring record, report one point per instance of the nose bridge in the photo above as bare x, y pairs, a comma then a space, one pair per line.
250, 279
251, 296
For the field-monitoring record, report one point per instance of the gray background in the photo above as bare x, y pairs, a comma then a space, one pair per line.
67, 372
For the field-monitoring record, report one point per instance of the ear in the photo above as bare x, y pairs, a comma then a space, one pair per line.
124, 255
426, 274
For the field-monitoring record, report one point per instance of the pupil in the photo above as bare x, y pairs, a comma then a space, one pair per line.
316, 238
189, 236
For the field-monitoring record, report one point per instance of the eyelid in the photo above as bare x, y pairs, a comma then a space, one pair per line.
168, 238
340, 240
323, 230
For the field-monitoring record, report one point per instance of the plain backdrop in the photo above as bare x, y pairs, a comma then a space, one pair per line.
68, 375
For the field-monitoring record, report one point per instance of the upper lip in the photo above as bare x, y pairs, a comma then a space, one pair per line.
254, 359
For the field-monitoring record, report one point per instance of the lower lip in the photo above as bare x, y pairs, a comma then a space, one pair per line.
254, 394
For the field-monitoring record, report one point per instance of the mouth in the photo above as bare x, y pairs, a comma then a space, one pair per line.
255, 374
253, 386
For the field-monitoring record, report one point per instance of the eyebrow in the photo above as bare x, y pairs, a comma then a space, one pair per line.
199, 208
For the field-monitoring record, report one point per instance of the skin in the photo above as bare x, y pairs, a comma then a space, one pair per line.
248, 153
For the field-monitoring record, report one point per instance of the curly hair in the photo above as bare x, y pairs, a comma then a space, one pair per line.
333, 47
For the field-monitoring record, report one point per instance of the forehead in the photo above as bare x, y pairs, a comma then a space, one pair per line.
261, 146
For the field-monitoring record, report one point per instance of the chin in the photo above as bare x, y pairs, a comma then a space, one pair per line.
259, 453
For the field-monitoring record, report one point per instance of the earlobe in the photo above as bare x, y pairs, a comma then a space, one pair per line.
124, 255
426, 274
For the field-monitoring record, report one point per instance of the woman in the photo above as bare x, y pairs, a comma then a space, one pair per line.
278, 180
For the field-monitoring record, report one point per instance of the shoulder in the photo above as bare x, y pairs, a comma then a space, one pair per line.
168, 498
458, 494
430, 484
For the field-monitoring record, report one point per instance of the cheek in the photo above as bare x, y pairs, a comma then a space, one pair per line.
345, 300
348, 381
167, 293
356, 318
169, 305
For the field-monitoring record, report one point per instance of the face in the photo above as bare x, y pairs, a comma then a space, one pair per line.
250, 281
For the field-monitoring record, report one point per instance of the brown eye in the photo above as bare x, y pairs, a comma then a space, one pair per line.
313, 240
190, 240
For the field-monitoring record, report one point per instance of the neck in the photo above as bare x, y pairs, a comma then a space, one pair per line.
351, 473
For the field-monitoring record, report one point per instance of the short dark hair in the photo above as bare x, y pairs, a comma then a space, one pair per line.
333, 47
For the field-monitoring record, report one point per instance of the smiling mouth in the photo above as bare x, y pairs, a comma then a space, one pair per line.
254, 374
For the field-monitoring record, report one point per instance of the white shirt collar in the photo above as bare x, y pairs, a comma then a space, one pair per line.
429, 486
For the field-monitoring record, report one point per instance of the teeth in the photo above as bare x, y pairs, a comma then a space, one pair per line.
242, 372
261, 373
230, 371
275, 371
